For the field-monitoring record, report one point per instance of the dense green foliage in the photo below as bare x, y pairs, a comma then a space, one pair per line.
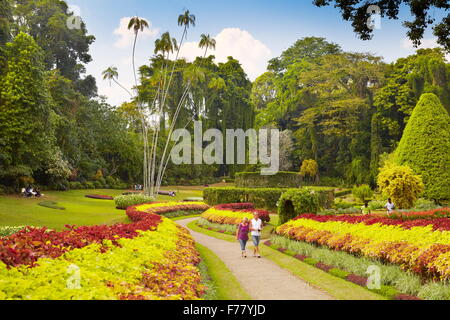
57, 133
346, 109
295, 202
357, 11
362, 192
331, 105
261, 197
266, 198
53, 127
219, 99
425, 146
279, 180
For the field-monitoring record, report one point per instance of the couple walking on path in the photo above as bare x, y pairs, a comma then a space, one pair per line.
254, 227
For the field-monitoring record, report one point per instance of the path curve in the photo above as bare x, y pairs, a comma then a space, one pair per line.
261, 278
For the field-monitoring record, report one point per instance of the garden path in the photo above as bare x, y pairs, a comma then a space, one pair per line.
261, 278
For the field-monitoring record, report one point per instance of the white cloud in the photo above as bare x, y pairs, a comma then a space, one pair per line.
241, 45
126, 37
425, 44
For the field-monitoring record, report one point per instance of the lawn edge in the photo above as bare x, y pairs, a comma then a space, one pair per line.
227, 287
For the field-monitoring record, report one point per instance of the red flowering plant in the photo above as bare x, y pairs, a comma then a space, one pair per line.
31, 244
235, 206
435, 218
138, 212
99, 197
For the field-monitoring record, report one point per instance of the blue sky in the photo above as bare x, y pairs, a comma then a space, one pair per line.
252, 31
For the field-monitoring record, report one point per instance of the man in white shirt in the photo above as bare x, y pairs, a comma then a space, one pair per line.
390, 206
256, 226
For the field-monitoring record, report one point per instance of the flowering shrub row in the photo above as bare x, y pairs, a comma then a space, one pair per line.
433, 218
430, 214
127, 200
30, 244
159, 264
232, 216
420, 249
99, 197
152, 258
387, 291
235, 206
138, 212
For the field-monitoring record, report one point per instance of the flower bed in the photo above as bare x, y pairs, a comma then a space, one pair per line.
421, 246
138, 212
7, 230
233, 214
99, 197
437, 218
384, 290
152, 258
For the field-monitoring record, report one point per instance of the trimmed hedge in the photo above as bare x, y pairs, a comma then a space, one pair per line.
264, 198
279, 180
343, 193
295, 202
425, 146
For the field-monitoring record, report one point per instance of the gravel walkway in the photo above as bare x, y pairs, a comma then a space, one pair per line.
261, 278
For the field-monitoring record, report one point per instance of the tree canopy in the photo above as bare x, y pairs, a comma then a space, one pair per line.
358, 12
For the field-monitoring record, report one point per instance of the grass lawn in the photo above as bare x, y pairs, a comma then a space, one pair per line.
18, 211
226, 285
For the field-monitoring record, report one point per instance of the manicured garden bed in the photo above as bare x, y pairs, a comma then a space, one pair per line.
415, 243
99, 197
234, 213
384, 290
167, 209
151, 258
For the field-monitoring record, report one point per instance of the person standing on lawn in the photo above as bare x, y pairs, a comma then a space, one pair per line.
390, 206
256, 226
242, 235
365, 208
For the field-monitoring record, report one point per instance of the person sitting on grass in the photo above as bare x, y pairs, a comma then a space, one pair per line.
256, 228
242, 235
365, 208
37, 193
28, 191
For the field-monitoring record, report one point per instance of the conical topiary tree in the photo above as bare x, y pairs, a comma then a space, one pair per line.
425, 146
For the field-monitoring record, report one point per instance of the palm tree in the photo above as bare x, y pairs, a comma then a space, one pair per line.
112, 74
186, 19
138, 25
207, 42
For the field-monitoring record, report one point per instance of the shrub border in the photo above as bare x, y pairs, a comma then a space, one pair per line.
342, 274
